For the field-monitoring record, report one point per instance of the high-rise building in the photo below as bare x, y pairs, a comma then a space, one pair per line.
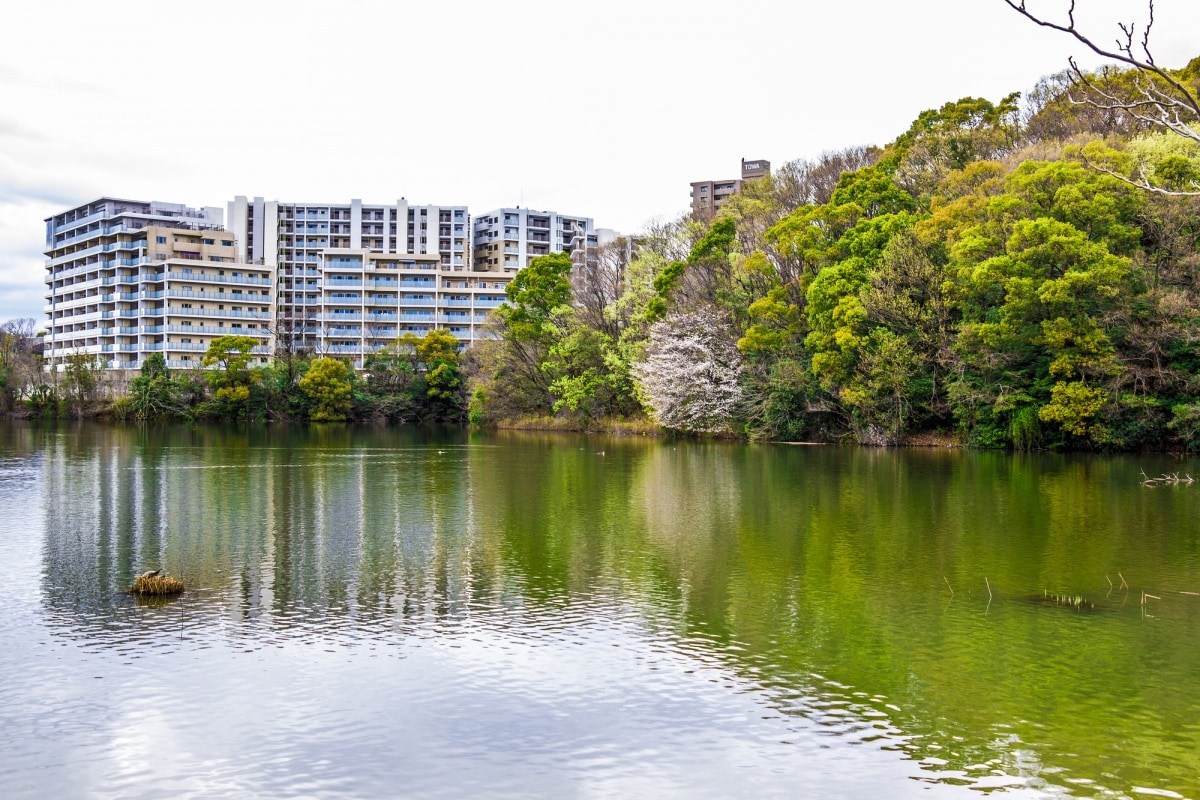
287, 234
506, 239
128, 278
708, 196
304, 240
364, 300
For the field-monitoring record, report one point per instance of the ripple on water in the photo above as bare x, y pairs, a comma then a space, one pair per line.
384, 622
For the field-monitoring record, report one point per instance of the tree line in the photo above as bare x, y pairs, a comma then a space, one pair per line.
1019, 274
1022, 273
415, 379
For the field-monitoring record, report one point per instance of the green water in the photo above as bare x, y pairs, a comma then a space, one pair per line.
516, 615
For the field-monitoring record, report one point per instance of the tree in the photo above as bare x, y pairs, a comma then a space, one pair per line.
82, 376
1159, 97
536, 295
438, 352
691, 375
231, 355
153, 393
597, 283
392, 369
953, 137
703, 277
289, 341
528, 324
327, 384
20, 366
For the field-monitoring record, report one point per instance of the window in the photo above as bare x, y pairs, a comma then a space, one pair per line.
160, 240
210, 241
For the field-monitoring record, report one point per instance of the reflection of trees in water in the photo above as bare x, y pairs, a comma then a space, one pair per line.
787, 567
791, 563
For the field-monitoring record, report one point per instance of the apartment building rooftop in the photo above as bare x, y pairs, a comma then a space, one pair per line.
708, 196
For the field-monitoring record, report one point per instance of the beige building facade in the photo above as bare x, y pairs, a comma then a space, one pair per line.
126, 279
366, 300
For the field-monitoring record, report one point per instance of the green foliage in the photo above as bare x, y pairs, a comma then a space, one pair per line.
477, 413
1185, 424
232, 379
536, 296
80, 381
1026, 429
154, 394
327, 384
230, 354
43, 402
444, 381
871, 192
703, 277
1073, 405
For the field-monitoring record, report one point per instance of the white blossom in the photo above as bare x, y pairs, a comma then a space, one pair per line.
691, 376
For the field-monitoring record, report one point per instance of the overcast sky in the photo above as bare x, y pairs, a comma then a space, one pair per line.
605, 109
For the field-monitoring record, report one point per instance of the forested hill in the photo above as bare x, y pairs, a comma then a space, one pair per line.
995, 273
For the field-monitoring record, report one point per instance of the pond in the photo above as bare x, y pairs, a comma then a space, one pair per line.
396, 612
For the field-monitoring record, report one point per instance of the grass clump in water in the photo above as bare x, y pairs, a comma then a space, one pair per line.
156, 585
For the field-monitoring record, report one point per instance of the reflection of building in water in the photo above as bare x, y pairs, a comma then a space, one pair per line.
265, 527
104, 510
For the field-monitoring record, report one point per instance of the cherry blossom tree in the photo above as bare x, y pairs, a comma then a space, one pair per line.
691, 375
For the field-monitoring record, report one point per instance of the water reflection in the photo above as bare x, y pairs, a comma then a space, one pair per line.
766, 603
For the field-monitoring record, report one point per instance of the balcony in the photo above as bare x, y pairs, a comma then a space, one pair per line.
176, 311
243, 280
139, 244
228, 298
213, 331
81, 220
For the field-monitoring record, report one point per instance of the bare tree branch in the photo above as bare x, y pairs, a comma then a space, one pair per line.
1140, 180
1160, 99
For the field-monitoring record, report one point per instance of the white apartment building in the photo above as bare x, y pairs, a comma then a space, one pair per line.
295, 238
127, 278
365, 300
506, 239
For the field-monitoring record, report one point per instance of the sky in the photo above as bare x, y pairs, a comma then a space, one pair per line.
608, 110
